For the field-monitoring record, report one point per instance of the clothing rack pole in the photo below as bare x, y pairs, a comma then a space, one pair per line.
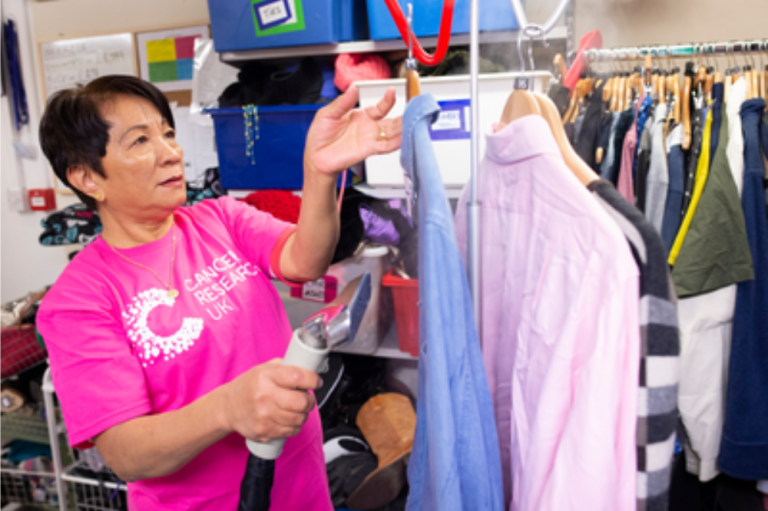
530, 30
473, 207
676, 51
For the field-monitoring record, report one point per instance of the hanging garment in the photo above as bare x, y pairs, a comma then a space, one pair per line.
455, 463
603, 136
744, 449
735, 150
715, 252
697, 133
643, 166
561, 329
559, 95
15, 80
676, 167
718, 110
659, 372
713, 258
625, 179
702, 171
587, 140
658, 173
643, 114
610, 170
75, 224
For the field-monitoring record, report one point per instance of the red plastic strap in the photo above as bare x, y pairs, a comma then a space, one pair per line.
443, 37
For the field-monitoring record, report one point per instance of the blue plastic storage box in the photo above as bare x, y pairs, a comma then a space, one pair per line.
253, 24
494, 15
276, 161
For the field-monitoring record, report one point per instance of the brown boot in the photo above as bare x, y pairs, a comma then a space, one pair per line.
388, 423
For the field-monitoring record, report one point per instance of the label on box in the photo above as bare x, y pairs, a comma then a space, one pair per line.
454, 121
273, 17
323, 290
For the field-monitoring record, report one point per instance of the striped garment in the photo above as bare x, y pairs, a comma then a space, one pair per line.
657, 403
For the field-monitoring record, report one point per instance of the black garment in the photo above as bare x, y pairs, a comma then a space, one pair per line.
559, 93
723, 493
586, 142
697, 132
73, 224
643, 164
456, 62
603, 136
718, 93
263, 86
626, 118
209, 187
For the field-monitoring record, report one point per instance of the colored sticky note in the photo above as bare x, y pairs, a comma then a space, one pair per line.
185, 47
184, 69
163, 71
161, 50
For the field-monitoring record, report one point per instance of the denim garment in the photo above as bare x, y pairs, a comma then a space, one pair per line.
626, 121
610, 151
744, 448
455, 461
676, 166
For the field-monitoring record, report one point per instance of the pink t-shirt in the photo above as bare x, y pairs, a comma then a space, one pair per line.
121, 348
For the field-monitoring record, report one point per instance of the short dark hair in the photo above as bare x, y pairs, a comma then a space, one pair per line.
73, 132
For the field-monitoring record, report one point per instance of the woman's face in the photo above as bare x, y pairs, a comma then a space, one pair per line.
144, 165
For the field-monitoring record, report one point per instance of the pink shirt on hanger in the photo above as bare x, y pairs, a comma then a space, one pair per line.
560, 328
625, 182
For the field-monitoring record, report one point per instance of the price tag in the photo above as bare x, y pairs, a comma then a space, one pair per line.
314, 291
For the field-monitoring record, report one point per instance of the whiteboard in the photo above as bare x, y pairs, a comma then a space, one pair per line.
74, 62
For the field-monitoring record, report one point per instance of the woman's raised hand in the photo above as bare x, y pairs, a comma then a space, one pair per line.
341, 136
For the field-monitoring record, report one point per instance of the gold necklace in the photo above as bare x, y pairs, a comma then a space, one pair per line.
172, 293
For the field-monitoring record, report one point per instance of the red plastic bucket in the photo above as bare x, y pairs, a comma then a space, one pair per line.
405, 294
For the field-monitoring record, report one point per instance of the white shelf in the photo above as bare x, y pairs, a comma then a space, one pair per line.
399, 193
389, 348
372, 46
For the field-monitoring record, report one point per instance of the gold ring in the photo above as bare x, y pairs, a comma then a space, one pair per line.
382, 134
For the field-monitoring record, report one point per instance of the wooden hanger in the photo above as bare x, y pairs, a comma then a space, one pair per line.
748, 79
685, 99
615, 92
709, 82
581, 170
662, 89
519, 104
676, 111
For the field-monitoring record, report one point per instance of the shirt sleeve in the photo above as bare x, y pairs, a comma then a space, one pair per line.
259, 235
97, 378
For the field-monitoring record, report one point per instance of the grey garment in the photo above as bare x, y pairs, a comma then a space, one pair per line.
659, 356
643, 164
610, 153
658, 174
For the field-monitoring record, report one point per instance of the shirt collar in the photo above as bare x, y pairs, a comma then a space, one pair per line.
521, 139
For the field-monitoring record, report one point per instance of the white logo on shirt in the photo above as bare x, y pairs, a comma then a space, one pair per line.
149, 345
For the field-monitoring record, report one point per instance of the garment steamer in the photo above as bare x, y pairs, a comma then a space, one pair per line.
309, 348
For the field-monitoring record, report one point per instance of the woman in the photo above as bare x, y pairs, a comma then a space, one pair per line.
165, 333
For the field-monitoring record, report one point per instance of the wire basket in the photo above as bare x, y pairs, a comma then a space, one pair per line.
91, 494
14, 426
34, 488
20, 349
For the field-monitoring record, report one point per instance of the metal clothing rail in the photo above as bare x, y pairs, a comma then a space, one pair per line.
677, 51
527, 29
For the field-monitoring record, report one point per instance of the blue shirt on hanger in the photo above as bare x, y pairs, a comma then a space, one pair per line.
455, 463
